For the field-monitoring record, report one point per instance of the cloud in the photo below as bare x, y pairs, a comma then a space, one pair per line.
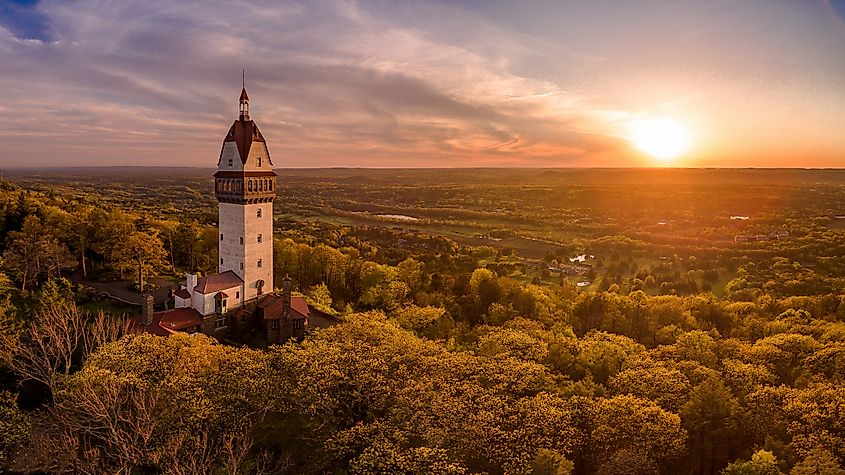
332, 83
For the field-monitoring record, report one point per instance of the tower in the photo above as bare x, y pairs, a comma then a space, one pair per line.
245, 185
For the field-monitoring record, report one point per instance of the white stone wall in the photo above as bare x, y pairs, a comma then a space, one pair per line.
190, 282
179, 302
203, 303
230, 232
230, 152
258, 149
242, 221
255, 251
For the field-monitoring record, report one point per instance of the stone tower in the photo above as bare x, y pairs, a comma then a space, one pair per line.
245, 185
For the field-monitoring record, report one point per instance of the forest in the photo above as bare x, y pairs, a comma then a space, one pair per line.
493, 321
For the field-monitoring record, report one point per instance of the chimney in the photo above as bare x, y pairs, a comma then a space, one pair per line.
171, 295
286, 297
147, 309
191, 282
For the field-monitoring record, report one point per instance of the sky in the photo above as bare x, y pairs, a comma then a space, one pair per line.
427, 83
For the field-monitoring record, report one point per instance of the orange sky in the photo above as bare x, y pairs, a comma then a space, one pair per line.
423, 84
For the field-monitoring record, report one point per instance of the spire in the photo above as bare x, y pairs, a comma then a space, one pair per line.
244, 107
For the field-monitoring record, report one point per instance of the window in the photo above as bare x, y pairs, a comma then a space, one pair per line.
221, 261
298, 324
242, 240
274, 324
220, 321
258, 213
258, 160
259, 238
230, 163
259, 263
221, 236
242, 266
220, 308
238, 292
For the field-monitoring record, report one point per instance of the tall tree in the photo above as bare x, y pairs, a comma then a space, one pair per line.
147, 254
33, 251
79, 229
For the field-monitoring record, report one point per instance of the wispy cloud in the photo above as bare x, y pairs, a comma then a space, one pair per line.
331, 82
345, 83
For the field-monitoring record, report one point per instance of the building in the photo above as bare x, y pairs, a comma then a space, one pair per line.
239, 298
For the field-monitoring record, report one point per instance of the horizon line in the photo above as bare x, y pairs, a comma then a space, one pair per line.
25, 168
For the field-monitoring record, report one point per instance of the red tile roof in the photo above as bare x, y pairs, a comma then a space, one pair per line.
272, 305
243, 133
153, 328
299, 305
168, 322
183, 294
179, 318
217, 282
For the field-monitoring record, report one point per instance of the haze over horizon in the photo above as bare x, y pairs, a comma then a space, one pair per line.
425, 84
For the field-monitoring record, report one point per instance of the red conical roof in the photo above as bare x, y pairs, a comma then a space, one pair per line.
244, 133
244, 95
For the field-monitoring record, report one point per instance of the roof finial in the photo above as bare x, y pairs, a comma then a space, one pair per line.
244, 107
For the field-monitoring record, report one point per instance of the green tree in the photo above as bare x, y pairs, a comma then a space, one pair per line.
665, 386
712, 417
112, 229
633, 430
146, 253
430, 322
320, 298
34, 251
761, 463
818, 462
14, 427
483, 291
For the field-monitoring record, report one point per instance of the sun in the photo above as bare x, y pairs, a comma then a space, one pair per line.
663, 139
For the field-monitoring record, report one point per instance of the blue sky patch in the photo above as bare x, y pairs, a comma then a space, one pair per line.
23, 19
